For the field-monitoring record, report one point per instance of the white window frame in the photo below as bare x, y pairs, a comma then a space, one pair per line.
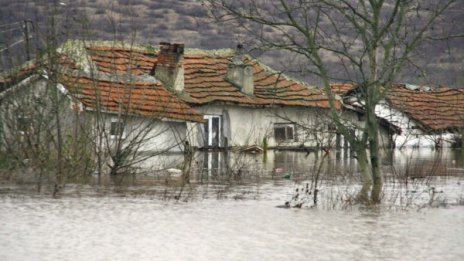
209, 119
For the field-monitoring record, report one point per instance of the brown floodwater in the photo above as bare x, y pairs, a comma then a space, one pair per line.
249, 227
238, 215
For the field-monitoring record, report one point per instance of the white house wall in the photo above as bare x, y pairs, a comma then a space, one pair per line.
154, 136
164, 136
36, 100
249, 126
412, 134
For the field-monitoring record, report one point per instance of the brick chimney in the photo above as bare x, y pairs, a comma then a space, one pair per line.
239, 73
169, 68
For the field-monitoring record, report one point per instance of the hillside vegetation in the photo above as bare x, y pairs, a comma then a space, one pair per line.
186, 21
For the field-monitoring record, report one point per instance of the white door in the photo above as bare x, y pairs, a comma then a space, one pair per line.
212, 130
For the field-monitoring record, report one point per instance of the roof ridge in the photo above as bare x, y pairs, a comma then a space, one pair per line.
111, 77
220, 52
121, 45
285, 76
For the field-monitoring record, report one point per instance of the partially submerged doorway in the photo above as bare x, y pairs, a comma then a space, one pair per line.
213, 131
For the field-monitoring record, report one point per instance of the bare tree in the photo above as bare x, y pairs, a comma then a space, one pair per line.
370, 40
45, 128
35, 134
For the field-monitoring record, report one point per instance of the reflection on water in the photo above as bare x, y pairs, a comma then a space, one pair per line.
212, 165
228, 212
337, 163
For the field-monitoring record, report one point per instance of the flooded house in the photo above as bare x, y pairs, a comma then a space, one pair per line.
246, 103
352, 105
160, 99
428, 117
242, 101
423, 116
122, 107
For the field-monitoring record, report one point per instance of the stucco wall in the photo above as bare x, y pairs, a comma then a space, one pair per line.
245, 126
37, 101
159, 136
412, 134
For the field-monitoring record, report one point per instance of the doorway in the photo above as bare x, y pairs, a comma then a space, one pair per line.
213, 131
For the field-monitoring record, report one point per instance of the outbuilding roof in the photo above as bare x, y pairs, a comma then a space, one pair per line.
342, 88
7, 80
435, 109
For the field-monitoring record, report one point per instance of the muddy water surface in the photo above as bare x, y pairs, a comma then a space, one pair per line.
243, 224
235, 217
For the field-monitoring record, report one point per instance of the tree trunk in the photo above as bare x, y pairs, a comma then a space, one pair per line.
373, 129
376, 174
366, 178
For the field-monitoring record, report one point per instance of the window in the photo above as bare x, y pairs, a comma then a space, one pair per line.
116, 129
284, 132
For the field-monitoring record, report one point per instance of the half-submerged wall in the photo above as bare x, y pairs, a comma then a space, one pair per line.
279, 127
144, 134
412, 134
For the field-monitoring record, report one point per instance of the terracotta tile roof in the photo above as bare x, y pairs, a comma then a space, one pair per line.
341, 88
205, 78
14, 77
436, 110
138, 98
205, 82
121, 60
67, 62
30, 68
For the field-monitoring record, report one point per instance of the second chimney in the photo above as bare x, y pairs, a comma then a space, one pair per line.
240, 73
169, 68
